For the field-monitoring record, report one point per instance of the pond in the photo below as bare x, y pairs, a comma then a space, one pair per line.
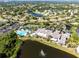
37, 15
33, 49
34, 14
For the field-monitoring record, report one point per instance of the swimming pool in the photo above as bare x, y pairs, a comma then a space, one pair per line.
21, 32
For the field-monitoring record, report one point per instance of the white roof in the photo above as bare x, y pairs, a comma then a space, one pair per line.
56, 34
47, 32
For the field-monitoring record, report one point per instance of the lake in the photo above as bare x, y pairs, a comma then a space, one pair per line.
34, 14
32, 49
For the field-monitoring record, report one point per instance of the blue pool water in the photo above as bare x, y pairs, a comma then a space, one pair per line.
21, 33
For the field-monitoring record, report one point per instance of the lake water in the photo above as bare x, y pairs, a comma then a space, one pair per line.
33, 49
35, 14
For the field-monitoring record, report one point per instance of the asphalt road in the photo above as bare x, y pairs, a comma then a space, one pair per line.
9, 28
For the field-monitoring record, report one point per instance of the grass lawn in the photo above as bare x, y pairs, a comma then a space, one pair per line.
16, 48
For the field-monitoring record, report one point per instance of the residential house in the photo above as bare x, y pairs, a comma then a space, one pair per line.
63, 38
42, 32
57, 36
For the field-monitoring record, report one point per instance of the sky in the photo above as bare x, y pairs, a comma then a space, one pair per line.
38, 0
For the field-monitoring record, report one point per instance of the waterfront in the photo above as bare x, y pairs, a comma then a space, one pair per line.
32, 49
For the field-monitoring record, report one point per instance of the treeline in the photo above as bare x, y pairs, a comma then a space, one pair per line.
9, 45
